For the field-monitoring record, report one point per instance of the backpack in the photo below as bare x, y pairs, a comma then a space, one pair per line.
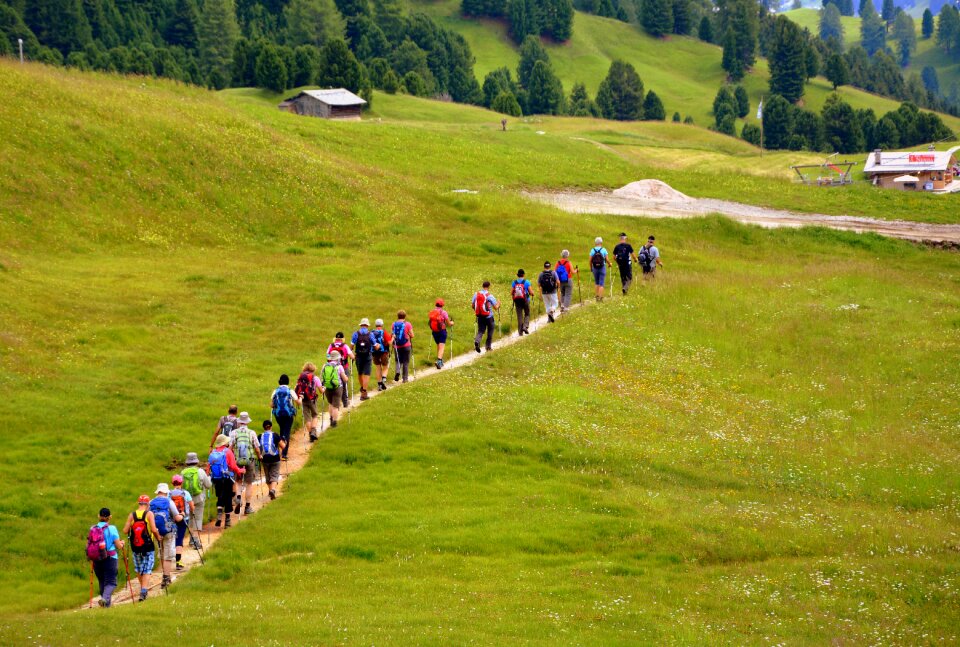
437, 320
140, 539
242, 446
546, 282
179, 500
364, 342
191, 481
160, 507
562, 272
399, 333
480, 305
218, 464
645, 258
268, 444
330, 376
378, 338
623, 256
96, 544
519, 290
283, 403
596, 258
228, 426
306, 387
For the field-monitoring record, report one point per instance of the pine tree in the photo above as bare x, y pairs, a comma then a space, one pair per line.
656, 16
787, 60
522, 20
842, 129
217, 34
888, 11
681, 17
620, 95
926, 24
948, 26
531, 51
497, 82
705, 30
750, 134
580, 104
836, 70
778, 116
557, 18
743, 101
830, 24
307, 66
339, 68
388, 15
545, 90
506, 104
313, 22
61, 24
271, 72
731, 61
873, 33
930, 80
653, 107
905, 35
414, 84
182, 27
845, 7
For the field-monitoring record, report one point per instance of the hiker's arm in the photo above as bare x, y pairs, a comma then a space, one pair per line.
126, 526
176, 512
153, 524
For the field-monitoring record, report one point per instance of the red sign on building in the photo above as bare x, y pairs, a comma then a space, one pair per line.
922, 159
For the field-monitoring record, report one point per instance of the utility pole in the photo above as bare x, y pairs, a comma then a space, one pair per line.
20, 42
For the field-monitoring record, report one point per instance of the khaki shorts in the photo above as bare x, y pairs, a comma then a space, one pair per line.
272, 471
168, 546
381, 359
250, 475
310, 410
334, 397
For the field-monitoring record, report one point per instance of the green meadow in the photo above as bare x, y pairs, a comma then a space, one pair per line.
760, 447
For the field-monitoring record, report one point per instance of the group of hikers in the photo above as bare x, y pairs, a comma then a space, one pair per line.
238, 455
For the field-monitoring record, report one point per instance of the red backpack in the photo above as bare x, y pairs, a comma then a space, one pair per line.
480, 306
96, 544
519, 290
438, 321
180, 501
306, 387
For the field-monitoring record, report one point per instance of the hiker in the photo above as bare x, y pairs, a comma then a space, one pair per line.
284, 403
308, 390
184, 502
221, 466
439, 322
520, 293
346, 355
402, 331
332, 378
196, 482
484, 304
272, 444
246, 451
625, 257
361, 344
381, 353
103, 542
141, 529
565, 273
225, 424
598, 265
165, 515
649, 259
548, 283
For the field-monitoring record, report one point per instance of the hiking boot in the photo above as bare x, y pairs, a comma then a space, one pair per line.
195, 543
381, 385
219, 517
550, 317
489, 348
101, 603
284, 459
143, 594
236, 510
396, 377
179, 565
439, 363
165, 582
273, 495
364, 396
248, 509
226, 522
313, 439
476, 346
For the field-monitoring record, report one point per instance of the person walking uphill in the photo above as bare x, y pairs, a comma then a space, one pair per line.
484, 304
222, 465
520, 293
565, 273
283, 404
439, 322
308, 390
332, 377
165, 517
381, 353
598, 265
272, 445
649, 259
141, 529
548, 283
246, 451
184, 502
361, 344
225, 424
103, 542
623, 254
196, 482
403, 344
346, 355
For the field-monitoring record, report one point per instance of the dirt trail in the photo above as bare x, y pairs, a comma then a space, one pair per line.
656, 199
298, 455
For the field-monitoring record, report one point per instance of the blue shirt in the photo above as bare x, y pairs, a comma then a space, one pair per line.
110, 535
353, 340
603, 251
525, 283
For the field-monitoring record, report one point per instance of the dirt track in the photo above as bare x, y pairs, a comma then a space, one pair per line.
658, 200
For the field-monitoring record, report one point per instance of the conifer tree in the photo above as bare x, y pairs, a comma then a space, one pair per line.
217, 34
787, 60
620, 95
656, 16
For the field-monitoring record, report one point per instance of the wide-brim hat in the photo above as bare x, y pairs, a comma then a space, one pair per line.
334, 356
222, 441
162, 488
192, 459
244, 418
364, 322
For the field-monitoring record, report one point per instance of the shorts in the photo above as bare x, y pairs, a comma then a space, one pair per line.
168, 546
143, 563
381, 359
250, 475
310, 410
334, 397
364, 364
440, 337
599, 275
272, 471
650, 270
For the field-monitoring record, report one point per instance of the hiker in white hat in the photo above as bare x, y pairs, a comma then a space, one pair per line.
246, 450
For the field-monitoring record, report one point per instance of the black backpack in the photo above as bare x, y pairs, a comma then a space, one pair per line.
364, 343
645, 258
546, 282
596, 259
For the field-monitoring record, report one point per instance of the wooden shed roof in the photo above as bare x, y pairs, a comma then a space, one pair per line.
332, 97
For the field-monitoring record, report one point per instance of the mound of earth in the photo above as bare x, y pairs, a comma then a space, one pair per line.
650, 190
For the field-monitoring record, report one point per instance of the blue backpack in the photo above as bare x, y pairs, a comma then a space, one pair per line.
283, 402
218, 464
562, 273
378, 339
399, 333
160, 507
268, 444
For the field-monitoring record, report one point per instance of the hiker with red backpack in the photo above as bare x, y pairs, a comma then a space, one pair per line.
225, 424
165, 518
361, 343
184, 502
346, 354
283, 404
548, 284
402, 331
520, 293
599, 262
439, 320
484, 304
308, 390
222, 466
332, 379
196, 482
246, 451
141, 530
103, 544
565, 273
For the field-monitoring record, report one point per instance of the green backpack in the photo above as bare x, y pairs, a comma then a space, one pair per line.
243, 452
191, 481
330, 376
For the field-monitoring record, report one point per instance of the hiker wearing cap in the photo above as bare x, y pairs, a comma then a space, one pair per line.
246, 451
221, 466
272, 445
548, 284
283, 404
346, 354
332, 379
381, 353
141, 529
484, 304
520, 293
225, 424
565, 274
308, 390
105, 558
165, 517
599, 262
184, 502
196, 482
402, 331
649, 259
623, 254
361, 343
439, 320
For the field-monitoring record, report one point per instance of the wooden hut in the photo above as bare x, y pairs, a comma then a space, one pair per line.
913, 170
329, 104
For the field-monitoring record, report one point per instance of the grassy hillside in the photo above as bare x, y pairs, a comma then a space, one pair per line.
758, 448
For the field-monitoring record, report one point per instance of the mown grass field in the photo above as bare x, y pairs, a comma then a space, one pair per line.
760, 448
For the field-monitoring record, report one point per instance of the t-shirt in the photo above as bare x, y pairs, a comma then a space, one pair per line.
491, 303
654, 253
444, 318
254, 441
554, 279
187, 498
603, 252
622, 253
225, 419
271, 458
408, 333
525, 283
110, 535
344, 351
356, 335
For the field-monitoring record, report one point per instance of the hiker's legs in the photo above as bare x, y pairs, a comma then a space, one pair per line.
310, 416
196, 519
403, 356
286, 424
345, 388
550, 303
181, 532
224, 490
566, 294
526, 316
490, 323
143, 565
168, 553
599, 277
364, 368
481, 324
334, 398
626, 277
518, 308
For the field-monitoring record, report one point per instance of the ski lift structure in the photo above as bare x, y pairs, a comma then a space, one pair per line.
829, 173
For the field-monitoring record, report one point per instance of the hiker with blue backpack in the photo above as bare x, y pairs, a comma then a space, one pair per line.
484, 304
599, 262
332, 379
381, 353
165, 517
103, 544
222, 466
272, 444
141, 530
649, 258
197, 482
520, 293
565, 273
246, 451
283, 404
402, 344
361, 344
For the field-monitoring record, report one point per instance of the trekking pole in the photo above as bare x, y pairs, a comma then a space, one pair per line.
579, 294
126, 565
510, 321
195, 545
91, 584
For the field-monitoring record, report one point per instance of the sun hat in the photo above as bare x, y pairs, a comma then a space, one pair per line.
439, 303
192, 459
243, 418
221, 441
364, 322
378, 322
335, 356
163, 488
143, 499
177, 479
